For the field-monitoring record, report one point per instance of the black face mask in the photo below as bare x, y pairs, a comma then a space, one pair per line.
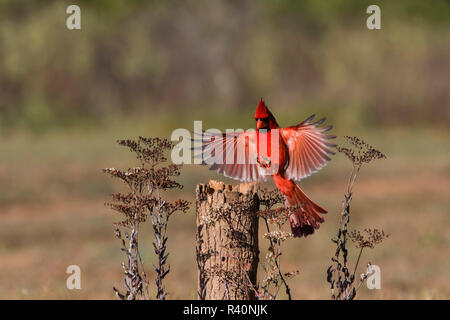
266, 123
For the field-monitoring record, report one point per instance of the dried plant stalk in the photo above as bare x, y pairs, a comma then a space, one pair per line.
338, 275
146, 184
274, 220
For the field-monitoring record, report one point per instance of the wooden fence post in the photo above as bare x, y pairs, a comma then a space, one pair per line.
227, 240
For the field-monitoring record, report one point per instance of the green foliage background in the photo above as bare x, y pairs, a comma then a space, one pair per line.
145, 57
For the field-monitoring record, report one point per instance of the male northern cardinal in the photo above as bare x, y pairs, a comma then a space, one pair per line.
302, 150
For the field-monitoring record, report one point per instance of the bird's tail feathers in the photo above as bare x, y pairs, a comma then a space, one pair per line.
307, 217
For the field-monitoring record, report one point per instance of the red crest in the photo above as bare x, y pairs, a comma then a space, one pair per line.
262, 111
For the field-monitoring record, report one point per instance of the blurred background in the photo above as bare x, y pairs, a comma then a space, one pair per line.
149, 67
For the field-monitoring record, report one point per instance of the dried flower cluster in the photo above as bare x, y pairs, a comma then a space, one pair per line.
144, 199
274, 220
149, 151
269, 198
362, 152
277, 235
368, 238
338, 274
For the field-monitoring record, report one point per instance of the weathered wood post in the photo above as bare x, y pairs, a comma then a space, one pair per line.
227, 240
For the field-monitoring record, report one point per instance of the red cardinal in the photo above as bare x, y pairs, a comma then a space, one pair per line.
302, 150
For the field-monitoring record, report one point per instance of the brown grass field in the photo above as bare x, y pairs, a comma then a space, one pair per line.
52, 212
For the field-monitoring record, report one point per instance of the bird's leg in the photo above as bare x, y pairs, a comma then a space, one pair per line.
264, 165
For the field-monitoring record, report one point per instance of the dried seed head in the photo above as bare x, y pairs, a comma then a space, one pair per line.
269, 198
277, 235
148, 150
361, 152
368, 238
144, 180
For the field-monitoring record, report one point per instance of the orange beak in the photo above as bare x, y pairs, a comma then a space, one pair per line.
260, 124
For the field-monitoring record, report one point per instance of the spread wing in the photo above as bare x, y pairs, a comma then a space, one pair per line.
308, 148
231, 154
